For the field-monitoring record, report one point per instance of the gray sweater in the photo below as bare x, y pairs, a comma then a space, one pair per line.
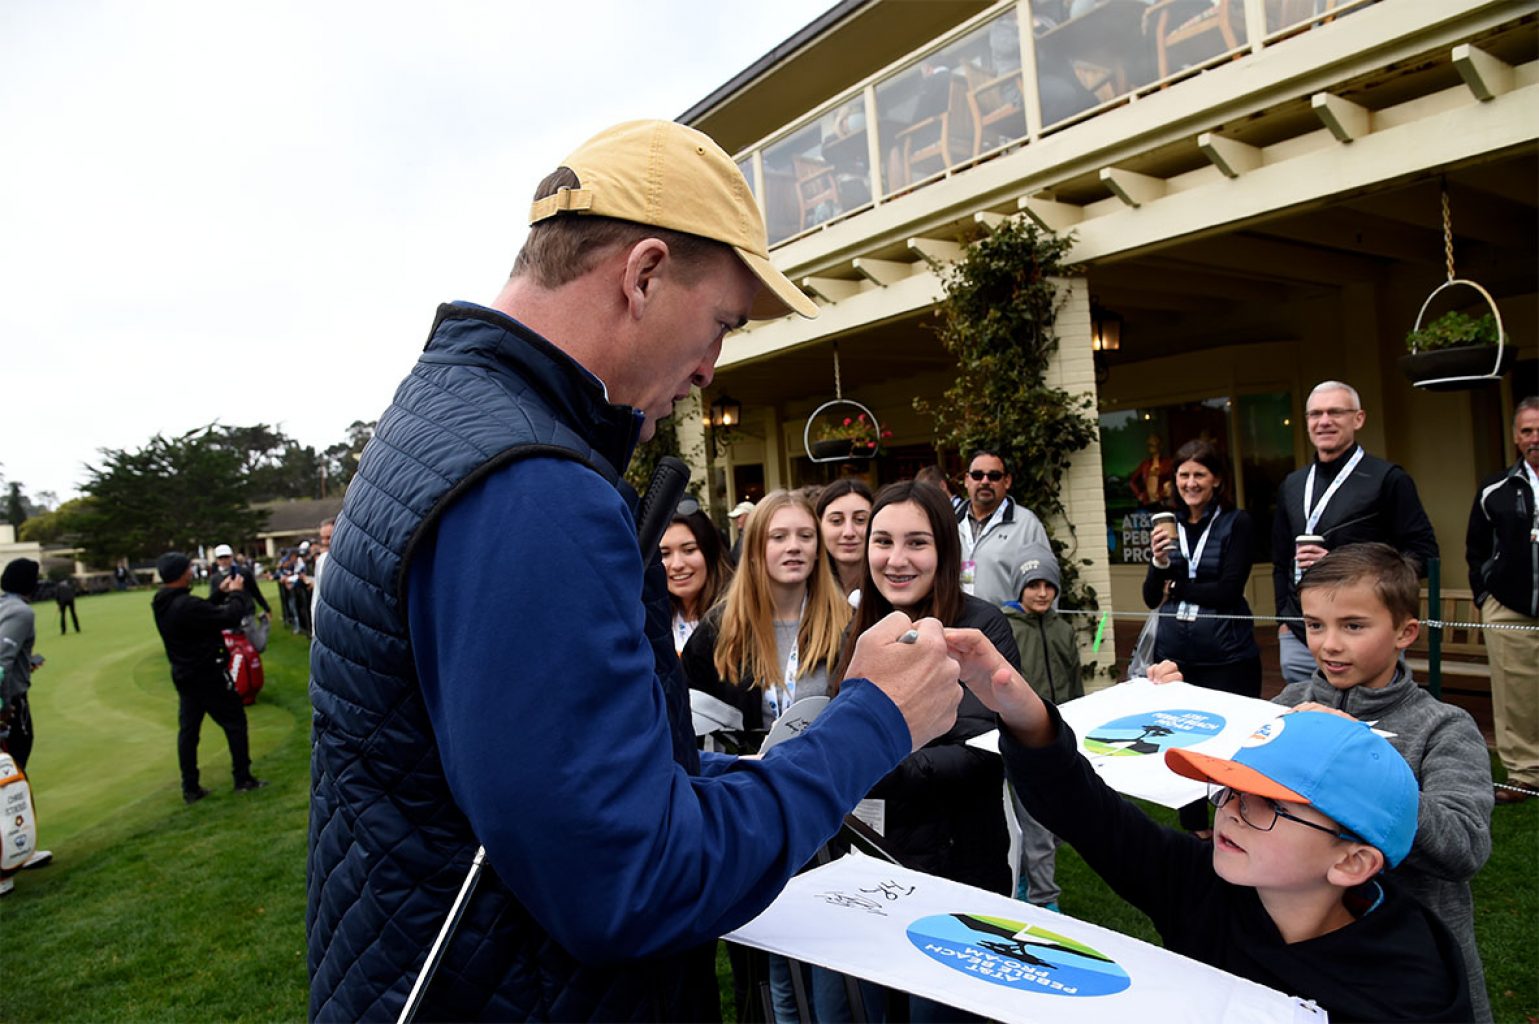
1445, 750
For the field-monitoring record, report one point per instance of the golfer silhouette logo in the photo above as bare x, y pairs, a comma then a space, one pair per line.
1017, 955
1153, 732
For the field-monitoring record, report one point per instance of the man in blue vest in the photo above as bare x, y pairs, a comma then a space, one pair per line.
493, 664
1344, 496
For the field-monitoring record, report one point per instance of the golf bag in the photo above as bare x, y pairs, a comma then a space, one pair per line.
18, 826
245, 666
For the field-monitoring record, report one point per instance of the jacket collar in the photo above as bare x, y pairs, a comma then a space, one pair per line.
464, 332
1361, 701
964, 511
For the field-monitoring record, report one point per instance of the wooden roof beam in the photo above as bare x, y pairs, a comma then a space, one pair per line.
1486, 76
883, 272
1345, 119
1132, 188
832, 289
1051, 215
1232, 157
935, 250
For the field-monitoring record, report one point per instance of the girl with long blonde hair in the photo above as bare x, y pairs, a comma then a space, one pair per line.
776, 636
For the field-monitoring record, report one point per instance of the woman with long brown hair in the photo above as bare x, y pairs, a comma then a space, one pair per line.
942, 804
844, 512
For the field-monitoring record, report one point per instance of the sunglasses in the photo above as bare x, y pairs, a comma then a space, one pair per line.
687, 507
993, 474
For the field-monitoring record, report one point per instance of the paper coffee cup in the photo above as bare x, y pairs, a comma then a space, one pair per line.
1298, 542
1163, 522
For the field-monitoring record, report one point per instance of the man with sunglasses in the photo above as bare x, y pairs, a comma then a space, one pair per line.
996, 531
1291, 892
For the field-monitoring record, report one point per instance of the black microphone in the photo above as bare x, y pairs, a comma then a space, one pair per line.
655, 510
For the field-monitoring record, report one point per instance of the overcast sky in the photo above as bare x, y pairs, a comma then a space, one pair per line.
248, 212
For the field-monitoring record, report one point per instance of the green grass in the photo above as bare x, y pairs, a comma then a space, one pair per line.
157, 911
154, 910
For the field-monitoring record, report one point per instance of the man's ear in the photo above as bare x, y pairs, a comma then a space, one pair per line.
1356, 864
644, 264
1407, 633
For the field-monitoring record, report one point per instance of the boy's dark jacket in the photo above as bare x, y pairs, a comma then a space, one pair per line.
1049, 653
1396, 962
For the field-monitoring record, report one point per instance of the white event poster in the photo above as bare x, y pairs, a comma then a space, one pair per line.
992, 955
1124, 731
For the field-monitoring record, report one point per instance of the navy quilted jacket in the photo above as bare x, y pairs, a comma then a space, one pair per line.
483, 710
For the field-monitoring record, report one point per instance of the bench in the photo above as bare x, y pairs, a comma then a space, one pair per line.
1464, 647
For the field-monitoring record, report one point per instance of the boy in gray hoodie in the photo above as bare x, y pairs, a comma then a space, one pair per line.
1360, 606
1050, 663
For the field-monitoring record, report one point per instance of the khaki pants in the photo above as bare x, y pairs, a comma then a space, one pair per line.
1514, 691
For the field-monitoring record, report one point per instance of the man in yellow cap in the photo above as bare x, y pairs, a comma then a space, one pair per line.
493, 664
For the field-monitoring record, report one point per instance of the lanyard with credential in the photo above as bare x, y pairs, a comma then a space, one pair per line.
772, 704
1312, 518
1187, 610
1533, 485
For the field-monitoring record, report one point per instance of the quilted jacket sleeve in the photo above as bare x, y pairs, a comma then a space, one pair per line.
528, 638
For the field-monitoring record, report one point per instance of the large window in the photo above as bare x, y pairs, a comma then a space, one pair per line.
952, 106
1137, 450
818, 172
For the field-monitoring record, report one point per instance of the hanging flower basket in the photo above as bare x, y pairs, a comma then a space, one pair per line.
842, 430
836, 449
1456, 352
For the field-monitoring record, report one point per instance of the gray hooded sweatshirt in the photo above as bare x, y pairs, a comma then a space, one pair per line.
1447, 753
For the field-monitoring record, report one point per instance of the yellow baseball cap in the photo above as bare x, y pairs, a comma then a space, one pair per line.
668, 175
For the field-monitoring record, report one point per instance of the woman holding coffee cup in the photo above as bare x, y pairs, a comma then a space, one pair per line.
1200, 566
1197, 575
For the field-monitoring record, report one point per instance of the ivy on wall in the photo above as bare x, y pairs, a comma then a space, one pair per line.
648, 454
997, 320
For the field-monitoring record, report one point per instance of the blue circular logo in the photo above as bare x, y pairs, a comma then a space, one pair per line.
1016, 955
1153, 732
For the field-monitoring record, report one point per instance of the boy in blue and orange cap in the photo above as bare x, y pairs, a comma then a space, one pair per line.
1291, 892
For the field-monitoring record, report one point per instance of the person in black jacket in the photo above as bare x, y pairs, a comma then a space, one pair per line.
941, 810
1502, 549
943, 804
225, 566
64, 596
1291, 893
1351, 497
1203, 576
193, 632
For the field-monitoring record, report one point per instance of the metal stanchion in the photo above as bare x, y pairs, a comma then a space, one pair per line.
1435, 631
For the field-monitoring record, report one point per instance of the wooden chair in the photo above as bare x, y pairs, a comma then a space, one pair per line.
1207, 34
915, 144
990, 103
815, 185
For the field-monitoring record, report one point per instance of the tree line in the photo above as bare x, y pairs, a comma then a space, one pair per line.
175, 492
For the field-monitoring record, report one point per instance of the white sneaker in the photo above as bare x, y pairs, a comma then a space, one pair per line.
39, 859
6, 885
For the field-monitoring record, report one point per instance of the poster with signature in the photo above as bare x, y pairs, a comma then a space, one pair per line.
992, 955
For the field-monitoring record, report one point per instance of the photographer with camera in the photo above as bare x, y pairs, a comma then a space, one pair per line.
225, 566
193, 632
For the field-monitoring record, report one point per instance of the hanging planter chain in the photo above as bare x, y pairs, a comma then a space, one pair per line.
1454, 281
840, 449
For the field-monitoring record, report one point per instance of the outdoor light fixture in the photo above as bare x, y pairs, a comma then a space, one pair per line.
723, 417
726, 413
1105, 329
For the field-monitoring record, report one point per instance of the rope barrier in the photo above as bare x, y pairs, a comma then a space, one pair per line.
1143, 614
